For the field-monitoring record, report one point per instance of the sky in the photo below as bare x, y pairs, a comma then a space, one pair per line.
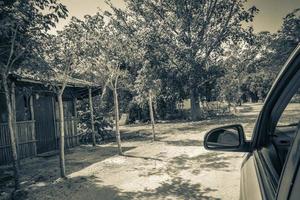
268, 19
271, 13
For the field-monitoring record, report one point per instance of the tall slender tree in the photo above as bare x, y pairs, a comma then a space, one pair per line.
107, 51
23, 24
63, 53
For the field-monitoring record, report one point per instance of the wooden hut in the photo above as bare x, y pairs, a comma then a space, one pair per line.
36, 116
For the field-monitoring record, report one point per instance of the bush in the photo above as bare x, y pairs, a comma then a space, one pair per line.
103, 125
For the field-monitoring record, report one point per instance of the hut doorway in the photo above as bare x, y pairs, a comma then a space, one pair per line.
45, 124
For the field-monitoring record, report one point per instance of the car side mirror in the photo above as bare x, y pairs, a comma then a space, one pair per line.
227, 138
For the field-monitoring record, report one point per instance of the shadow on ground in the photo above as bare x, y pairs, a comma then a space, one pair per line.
176, 187
91, 188
207, 161
211, 161
93, 155
186, 142
47, 169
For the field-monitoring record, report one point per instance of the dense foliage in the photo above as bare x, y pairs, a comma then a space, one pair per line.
183, 50
201, 51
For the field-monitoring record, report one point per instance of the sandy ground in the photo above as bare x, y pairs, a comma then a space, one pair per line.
175, 167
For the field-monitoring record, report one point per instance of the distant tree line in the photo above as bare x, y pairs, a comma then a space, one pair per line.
177, 50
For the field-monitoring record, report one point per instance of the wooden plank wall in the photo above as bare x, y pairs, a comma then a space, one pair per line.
5, 155
26, 139
71, 135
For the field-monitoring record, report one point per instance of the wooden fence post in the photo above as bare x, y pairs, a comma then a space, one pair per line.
55, 121
75, 137
92, 116
151, 115
33, 124
75, 108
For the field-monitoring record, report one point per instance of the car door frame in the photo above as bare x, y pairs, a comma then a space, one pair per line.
268, 115
274, 105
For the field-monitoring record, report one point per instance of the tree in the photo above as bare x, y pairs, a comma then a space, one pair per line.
23, 23
287, 38
146, 88
249, 66
65, 56
113, 75
149, 57
195, 31
108, 52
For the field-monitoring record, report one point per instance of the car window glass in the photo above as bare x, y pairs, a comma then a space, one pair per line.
291, 114
276, 153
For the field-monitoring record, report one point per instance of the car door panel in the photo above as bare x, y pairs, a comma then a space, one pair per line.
295, 193
265, 176
250, 188
290, 169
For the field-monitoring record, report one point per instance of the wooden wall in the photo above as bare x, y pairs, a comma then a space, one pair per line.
26, 140
71, 135
26, 131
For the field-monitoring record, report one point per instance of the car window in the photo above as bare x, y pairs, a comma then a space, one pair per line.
275, 151
291, 114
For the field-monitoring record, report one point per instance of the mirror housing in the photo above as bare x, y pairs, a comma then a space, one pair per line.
227, 138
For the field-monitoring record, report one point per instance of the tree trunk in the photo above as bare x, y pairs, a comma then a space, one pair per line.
33, 124
62, 136
195, 105
151, 115
13, 108
229, 106
118, 137
12, 132
239, 93
92, 117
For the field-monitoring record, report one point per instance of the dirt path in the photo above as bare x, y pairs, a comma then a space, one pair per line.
175, 167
